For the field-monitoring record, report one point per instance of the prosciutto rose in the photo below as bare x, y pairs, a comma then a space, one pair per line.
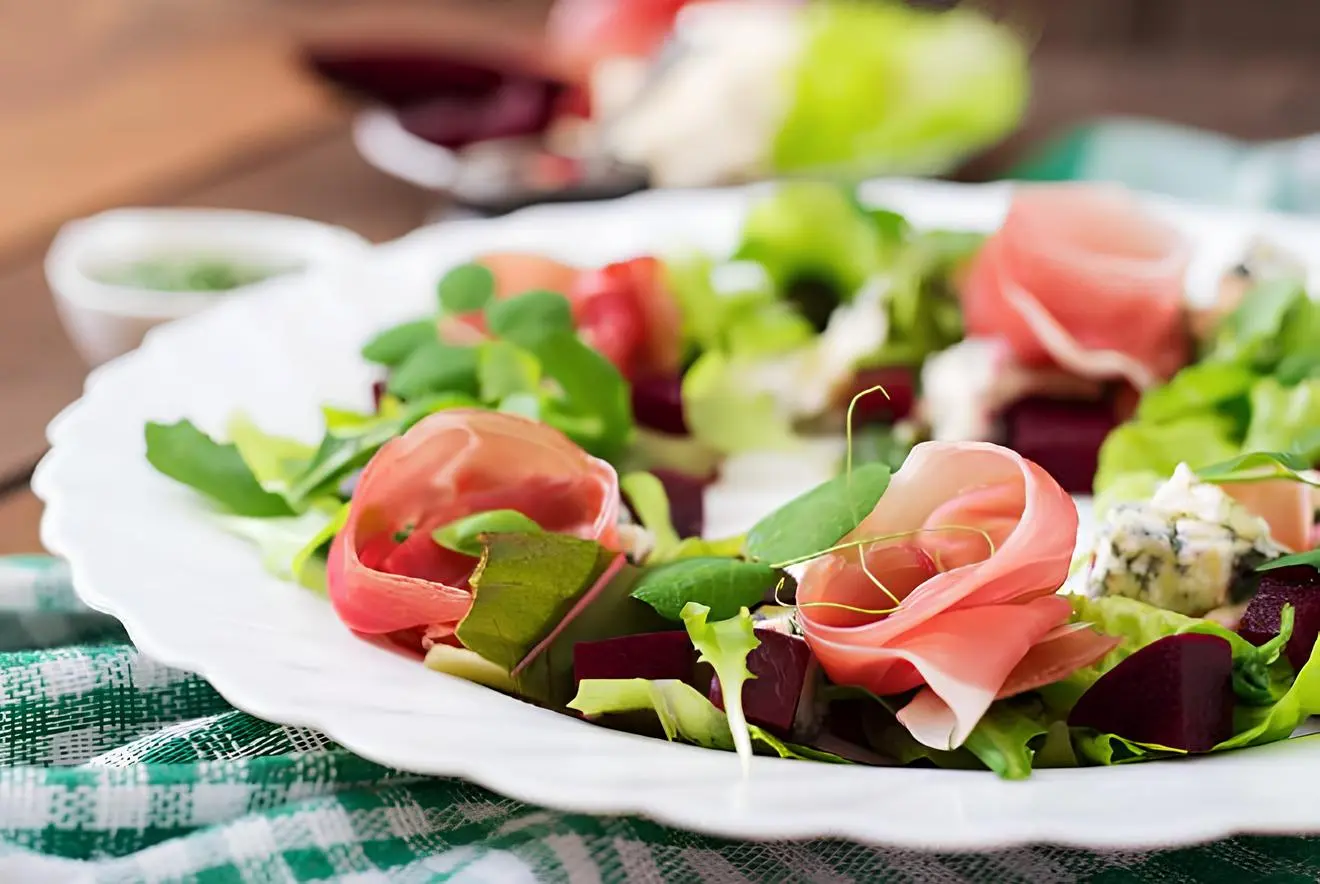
987, 537
386, 573
1080, 277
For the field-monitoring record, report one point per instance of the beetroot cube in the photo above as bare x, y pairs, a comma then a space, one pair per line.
651, 655
657, 404
782, 664
1299, 586
1062, 436
1175, 692
687, 501
899, 382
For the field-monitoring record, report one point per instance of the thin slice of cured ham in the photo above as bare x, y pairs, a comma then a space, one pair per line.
1285, 506
387, 574
1079, 276
982, 619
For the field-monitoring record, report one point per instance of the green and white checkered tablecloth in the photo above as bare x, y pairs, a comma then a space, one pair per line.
114, 768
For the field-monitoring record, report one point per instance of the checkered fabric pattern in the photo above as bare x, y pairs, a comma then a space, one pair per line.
114, 768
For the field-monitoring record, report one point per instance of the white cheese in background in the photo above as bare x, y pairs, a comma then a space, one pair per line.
1181, 550
956, 384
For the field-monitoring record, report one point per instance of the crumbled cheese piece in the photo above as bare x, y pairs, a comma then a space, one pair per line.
1182, 550
776, 619
956, 386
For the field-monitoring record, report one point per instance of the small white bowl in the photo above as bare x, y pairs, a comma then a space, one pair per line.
105, 319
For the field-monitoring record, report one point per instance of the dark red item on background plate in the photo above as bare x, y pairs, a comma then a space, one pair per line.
894, 404
657, 404
1062, 436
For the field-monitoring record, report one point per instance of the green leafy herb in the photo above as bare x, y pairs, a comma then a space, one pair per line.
646, 495
1311, 558
1254, 332
1137, 447
725, 646
1285, 419
435, 368
683, 712
527, 405
275, 461
1258, 466
595, 410
282, 541
817, 520
1109, 749
309, 562
187, 455
723, 586
464, 535
723, 414
466, 288
530, 316
505, 370
469, 666
697, 547
922, 300
1195, 390
394, 345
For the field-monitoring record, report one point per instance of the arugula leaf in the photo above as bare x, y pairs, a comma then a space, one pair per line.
466, 288
1258, 466
505, 370
725, 646
596, 409
1252, 332
309, 562
648, 499
1311, 558
435, 368
187, 455
464, 535
530, 316
394, 345
817, 520
722, 586
535, 596
275, 461
684, 713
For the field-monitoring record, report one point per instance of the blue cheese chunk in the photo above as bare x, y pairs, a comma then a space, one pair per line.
1183, 550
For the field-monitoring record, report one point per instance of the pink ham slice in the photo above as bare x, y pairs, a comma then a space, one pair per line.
1284, 505
1080, 277
975, 624
385, 572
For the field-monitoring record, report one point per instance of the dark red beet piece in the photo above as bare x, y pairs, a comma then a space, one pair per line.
781, 664
1063, 437
400, 77
1298, 586
1175, 692
518, 107
687, 501
651, 655
378, 390
899, 382
657, 404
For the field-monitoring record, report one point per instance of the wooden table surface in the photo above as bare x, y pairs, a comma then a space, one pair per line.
148, 105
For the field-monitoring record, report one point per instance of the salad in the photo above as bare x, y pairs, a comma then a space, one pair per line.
523, 506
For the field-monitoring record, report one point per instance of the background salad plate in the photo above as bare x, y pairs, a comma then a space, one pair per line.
146, 550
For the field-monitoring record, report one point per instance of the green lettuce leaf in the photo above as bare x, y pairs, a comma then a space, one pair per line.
817, 520
433, 369
1109, 749
1273, 319
1196, 390
504, 370
812, 230
683, 712
652, 450
885, 89
187, 455
1140, 447
275, 461
646, 495
309, 563
725, 646
924, 312
1258, 725
530, 316
465, 535
1258, 466
1285, 418
283, 541
723, 586
722, 414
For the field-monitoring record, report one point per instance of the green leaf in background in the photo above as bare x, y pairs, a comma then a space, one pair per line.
1311, 558
722, 586
187, 455
1195, 390
275, 461
922, 299
812, 230
879, 444
283, 541
527, 405
394, 345
435, 368
817, 520
1252, 332
651, 450
1256, 467
1137, 447
725, 646
1285, 418
466, 288
308, 564
684, 713
596, 409
529, 316
697, 547
876, 90
524, 586
465, 535
723, 414
505, 370
763, 330
648, 499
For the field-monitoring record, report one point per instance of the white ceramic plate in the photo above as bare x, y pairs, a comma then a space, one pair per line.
145, 550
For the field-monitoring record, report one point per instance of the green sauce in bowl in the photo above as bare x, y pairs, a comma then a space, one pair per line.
189, 274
